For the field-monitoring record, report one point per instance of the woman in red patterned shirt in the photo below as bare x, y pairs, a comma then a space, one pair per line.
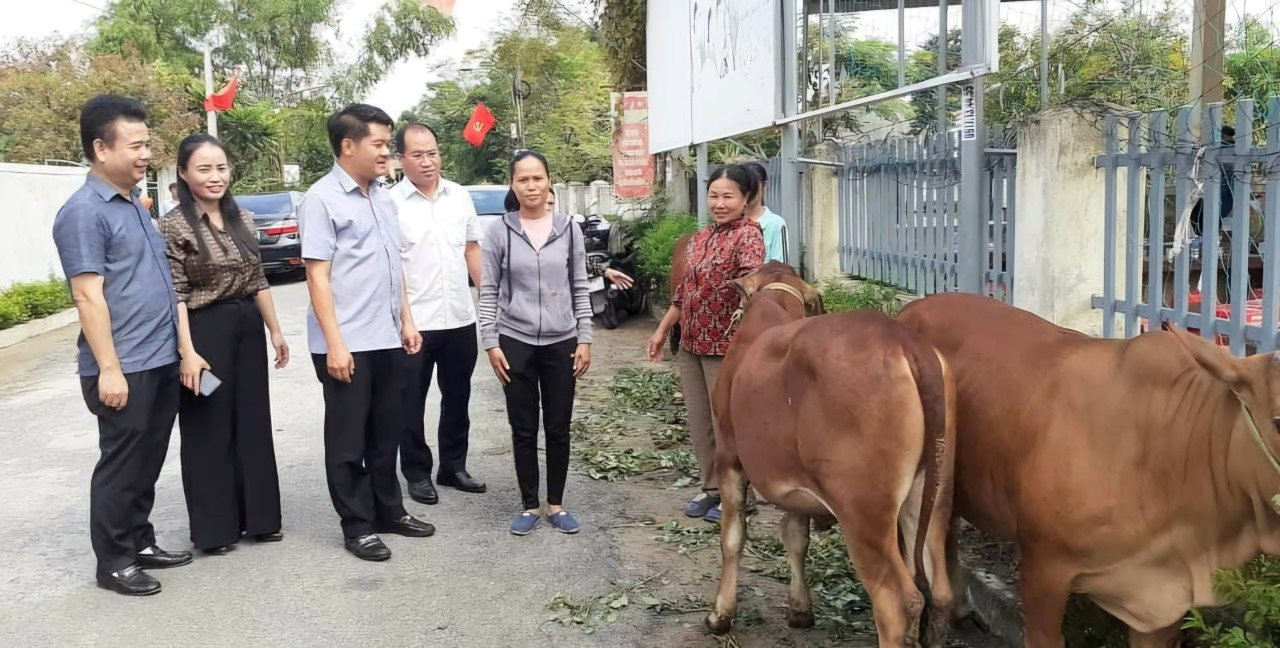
732, 246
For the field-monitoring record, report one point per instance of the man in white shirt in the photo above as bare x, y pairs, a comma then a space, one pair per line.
440, 247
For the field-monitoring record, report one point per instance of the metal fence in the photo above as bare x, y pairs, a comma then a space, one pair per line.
899, 213
1207, 207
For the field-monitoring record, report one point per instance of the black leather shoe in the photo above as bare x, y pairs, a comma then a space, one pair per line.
154, 557
461, 481
368, 547
219, 551
407, 526
423, 492
274, 536
130, 581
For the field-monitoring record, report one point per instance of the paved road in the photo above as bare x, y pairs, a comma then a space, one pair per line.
472, 584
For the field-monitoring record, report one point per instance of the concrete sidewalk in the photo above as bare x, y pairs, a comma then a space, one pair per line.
472, 584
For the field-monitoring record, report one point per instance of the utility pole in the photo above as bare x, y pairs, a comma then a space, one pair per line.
211, 116
975, 46
1208, 25
1044, 54
517, 97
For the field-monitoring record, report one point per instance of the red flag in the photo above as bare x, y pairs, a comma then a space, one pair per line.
224, 98
445, 7
479, 125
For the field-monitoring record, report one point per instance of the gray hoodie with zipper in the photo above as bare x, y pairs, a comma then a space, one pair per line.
536, 296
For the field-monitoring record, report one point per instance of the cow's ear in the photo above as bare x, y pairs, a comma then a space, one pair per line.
812, 300
1211, 357
746, 286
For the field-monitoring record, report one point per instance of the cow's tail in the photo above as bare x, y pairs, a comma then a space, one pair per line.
936, 398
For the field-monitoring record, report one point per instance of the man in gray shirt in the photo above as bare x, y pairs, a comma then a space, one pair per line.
114, 259
359, 328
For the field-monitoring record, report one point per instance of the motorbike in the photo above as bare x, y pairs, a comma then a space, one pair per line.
606, 248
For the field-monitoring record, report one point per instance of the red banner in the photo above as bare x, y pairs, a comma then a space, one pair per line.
445, 7
632, 164
479, 125
225, 98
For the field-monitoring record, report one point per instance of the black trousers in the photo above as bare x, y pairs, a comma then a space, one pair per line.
228, 456
454, 351
133, 442
362, 423
540, 376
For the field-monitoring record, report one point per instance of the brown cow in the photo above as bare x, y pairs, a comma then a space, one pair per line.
1124, 470
845, 415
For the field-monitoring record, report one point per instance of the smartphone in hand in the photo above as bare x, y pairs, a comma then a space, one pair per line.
208, 383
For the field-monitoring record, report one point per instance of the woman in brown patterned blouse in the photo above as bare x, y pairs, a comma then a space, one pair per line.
228, 458
731, 246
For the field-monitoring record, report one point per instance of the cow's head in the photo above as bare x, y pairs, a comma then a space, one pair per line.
776, 272
1254, 380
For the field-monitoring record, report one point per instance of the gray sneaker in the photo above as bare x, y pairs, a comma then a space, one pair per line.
698, 506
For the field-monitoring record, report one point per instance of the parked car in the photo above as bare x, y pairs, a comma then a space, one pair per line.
276, 217
488, 200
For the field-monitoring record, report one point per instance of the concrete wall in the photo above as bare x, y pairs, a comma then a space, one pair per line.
1059, 251
31, 196
594, 198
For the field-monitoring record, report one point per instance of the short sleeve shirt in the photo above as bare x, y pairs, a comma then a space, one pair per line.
434, 233
360, 235
99, 231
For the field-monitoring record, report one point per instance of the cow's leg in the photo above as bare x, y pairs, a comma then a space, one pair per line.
960, 607
795, 537
1044, 590
733, 530
941, 592
1170, 637
895, 602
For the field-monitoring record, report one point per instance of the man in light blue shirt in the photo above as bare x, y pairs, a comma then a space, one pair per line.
773, 225
114, 259
359, 328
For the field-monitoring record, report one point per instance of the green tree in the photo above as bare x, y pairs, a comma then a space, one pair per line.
623, 25
283, 45
252, 134
1252, 63
305, 139
566, 112
43, 85
447, 108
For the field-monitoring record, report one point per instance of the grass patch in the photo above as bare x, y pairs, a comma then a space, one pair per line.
642, 403
610, 464
588, 613
841, 298
840, 601
23, 302
688, 537
1251, 617
644, 391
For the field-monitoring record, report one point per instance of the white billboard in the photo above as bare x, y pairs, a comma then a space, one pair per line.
670, 64
713, 69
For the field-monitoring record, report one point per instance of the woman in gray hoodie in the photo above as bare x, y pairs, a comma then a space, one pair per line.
535, 324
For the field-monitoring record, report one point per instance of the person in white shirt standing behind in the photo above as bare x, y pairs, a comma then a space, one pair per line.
440, 248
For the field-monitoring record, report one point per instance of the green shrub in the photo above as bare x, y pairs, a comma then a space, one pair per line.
840, 298
23, 302
11, 313
655, 237
1251, 616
